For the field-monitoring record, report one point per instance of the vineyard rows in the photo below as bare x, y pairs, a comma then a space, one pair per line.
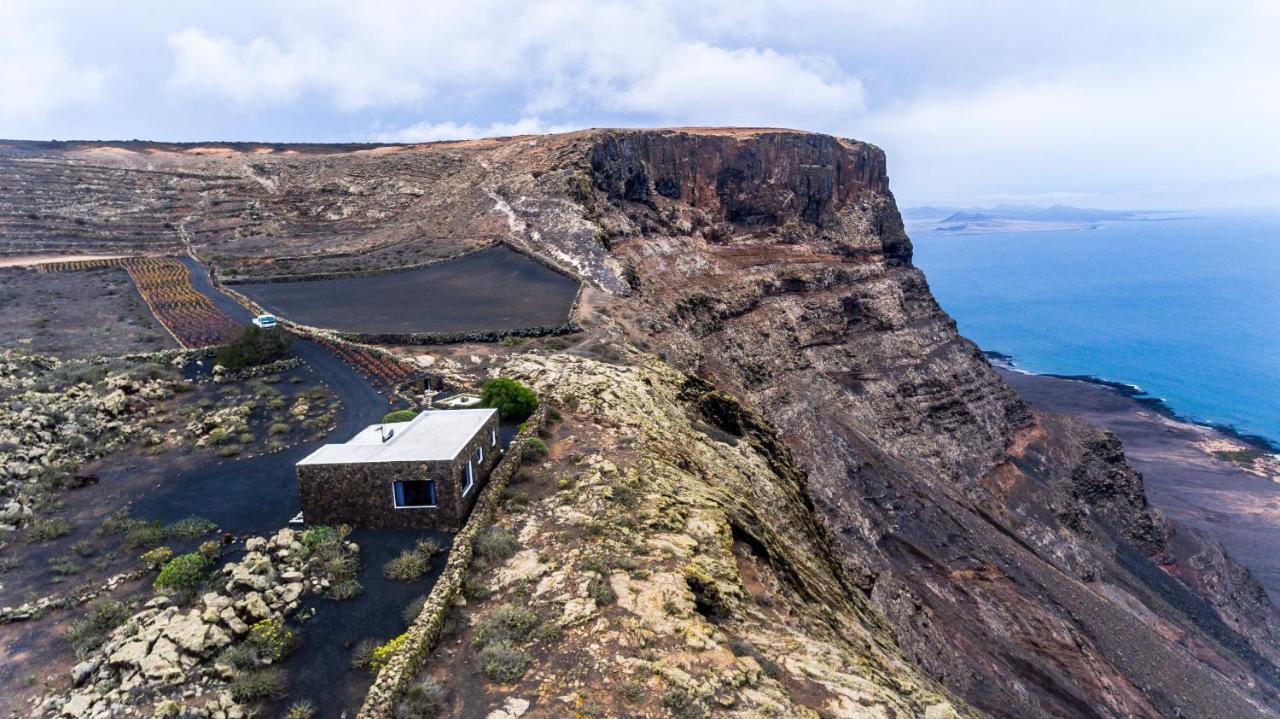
383, 372
76, 265
165, 285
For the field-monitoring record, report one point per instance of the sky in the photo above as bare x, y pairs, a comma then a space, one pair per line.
1133, 105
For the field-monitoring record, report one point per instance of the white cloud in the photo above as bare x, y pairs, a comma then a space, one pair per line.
432, 131
1111, 132
37, 77
560, 56
700, 83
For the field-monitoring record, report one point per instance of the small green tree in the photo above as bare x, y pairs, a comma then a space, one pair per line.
253, 347
513, 400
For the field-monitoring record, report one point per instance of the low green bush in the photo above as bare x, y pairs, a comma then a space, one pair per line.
278, 429
682, 705
257, 685
63, 565
400, 415
47, 530
410, 566
118, 522
345, 589
145, 535
509, 624
422, 700
239, 656
85, 548
301, 710
413, 609
633, 692
90, 631
313, 537
272, 639
383, 653
156, 558
534, 448
183, 574
502, 662
496, 542
190, 528
362, 655
601, 591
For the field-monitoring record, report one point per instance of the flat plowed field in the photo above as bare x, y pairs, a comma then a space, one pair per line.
496, 289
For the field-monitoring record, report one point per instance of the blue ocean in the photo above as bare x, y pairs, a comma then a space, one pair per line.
1186, 309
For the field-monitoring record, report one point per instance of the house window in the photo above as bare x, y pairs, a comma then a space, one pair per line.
470, 479
414, 493
479, 455
493, 438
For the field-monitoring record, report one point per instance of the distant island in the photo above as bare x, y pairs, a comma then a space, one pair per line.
1015, 218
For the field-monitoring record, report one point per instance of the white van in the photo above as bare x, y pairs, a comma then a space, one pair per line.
266, 322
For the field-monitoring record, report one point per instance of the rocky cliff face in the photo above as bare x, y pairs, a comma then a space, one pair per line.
1013, 554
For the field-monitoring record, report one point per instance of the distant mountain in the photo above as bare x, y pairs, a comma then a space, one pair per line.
1011, 218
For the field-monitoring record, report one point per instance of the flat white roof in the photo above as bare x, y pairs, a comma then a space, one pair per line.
433, 435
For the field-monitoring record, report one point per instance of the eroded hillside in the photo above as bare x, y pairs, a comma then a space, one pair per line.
791, 412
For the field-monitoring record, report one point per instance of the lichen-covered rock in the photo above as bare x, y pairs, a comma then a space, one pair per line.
644, 559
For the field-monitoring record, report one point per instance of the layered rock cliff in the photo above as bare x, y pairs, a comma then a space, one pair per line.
1009, 555
1015, 554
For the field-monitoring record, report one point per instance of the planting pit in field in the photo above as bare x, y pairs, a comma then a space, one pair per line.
492, 290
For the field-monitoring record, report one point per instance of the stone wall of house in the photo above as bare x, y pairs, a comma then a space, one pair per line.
423, 634
361, 495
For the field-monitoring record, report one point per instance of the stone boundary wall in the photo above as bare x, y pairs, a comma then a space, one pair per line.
160, 357
449, 338
339, 274
422, 635
257, 370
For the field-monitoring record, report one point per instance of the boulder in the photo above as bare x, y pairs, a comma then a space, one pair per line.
190, 633
253, 606
228, 617
130, 654
163, 661
82, 671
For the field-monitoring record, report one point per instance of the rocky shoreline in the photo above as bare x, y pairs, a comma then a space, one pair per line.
1137, 394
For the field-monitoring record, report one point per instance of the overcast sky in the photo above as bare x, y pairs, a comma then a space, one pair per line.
1117, 104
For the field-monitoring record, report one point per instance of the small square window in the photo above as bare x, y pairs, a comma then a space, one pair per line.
414, 493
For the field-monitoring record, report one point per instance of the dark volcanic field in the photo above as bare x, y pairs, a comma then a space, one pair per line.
495, 289
1190, 485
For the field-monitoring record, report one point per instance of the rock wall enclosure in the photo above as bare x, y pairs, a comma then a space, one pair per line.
1012, 554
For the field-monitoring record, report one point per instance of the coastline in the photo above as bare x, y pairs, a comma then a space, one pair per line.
1135, 393
1200, 477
